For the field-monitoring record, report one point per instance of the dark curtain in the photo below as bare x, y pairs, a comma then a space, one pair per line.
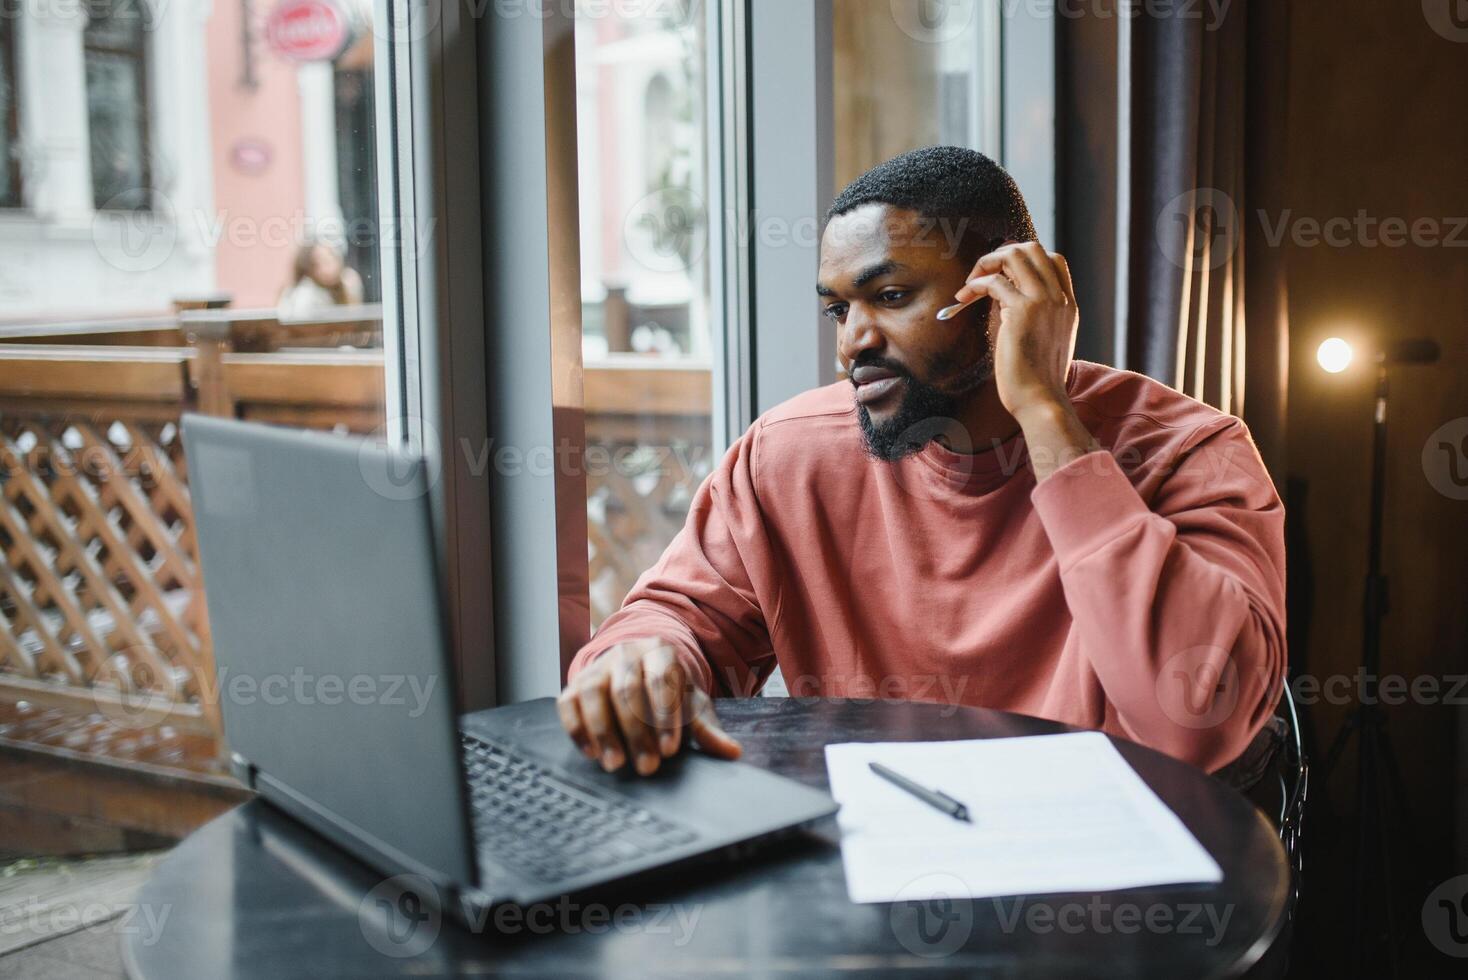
1203, 295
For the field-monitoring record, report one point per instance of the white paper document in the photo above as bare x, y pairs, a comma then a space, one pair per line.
1051, 813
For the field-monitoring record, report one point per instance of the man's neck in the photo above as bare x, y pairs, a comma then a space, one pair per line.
986, 421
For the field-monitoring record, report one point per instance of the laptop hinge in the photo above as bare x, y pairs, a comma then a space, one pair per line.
243, 770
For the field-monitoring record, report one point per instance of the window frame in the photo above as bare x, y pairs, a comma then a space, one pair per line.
532, 340
427, 124
731, 182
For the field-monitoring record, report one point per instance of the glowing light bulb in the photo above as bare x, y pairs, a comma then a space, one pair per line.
1334, 355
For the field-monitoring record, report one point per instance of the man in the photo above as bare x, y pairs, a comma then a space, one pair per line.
973, 517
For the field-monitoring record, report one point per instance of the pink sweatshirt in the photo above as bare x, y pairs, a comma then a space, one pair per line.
1138, 590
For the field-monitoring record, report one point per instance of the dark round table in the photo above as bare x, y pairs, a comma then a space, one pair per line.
254, 895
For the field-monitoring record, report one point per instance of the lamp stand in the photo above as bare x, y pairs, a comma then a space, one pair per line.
1375, 760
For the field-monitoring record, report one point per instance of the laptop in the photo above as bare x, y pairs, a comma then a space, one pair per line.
337, 692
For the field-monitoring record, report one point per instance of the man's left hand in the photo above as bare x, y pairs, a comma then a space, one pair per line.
1034, 341
1035, 336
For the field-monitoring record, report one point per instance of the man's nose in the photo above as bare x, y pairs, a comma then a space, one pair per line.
859, 334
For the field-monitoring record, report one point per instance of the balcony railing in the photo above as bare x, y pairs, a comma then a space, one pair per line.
101, 598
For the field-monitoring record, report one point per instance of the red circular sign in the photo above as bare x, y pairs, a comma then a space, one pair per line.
307, 30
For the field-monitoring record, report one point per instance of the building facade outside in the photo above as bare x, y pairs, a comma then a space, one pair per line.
159, 149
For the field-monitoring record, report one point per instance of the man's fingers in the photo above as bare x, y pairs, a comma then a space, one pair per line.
634, 715
706, 728
665, 684
1012, 262
632, 704
1027, 265
997, 286
594, 703
571, 721
1044, 265
967, 292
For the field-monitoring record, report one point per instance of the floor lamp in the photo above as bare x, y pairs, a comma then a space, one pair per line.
1375, 758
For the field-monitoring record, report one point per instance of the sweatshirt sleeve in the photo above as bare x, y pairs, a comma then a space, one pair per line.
701, 595
1179, 607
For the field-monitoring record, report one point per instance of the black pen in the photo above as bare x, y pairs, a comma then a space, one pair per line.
933, 798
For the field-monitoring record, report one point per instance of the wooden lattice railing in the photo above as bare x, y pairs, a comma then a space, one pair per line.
100, 587
99, 593
101, 599
648, 448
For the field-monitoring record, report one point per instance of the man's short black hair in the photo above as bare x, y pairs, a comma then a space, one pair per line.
952, 184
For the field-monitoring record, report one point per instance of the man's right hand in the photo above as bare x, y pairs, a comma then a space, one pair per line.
633, 702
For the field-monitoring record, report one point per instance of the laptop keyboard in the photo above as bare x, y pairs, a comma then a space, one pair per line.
548, 828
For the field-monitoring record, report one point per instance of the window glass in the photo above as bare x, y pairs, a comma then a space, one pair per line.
909, 73
642, 87
200, 234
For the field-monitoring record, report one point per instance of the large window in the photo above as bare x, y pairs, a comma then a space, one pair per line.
709, 140
904, 73
116, 51
10, 191
642, 82
200, 234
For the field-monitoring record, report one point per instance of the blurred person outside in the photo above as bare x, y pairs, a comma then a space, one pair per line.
320, 280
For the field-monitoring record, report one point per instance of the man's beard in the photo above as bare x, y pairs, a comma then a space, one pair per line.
927, 411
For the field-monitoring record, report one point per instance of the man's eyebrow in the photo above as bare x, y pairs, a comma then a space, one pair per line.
873, 271
865, 276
